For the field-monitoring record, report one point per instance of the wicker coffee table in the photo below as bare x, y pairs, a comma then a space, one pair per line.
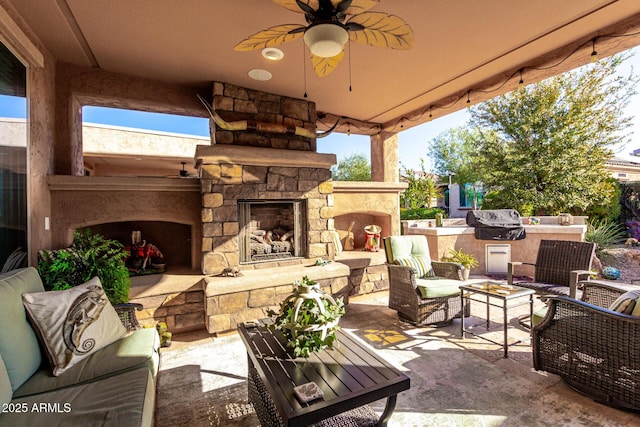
509, 296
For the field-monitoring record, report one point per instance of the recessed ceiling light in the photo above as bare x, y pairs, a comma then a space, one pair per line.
272, 54
260, 74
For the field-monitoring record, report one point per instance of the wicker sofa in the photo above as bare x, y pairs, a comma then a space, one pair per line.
593, 349
428, 300
113, 386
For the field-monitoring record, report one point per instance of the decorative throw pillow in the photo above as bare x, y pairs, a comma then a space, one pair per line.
421, 265
626, 303
74, 323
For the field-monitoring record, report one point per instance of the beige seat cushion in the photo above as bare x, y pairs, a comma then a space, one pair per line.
138, 350
126, 399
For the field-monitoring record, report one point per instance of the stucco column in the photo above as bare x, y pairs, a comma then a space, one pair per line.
384, 157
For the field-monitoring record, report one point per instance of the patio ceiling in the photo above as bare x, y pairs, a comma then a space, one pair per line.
461, 47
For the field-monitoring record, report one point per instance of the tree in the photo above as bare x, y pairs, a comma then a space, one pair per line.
355, 167
543, 147
421, 190
454, 152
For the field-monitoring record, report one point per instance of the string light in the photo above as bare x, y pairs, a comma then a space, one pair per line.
348, 129
520, 72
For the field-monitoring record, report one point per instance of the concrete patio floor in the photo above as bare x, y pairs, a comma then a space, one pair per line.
454, 381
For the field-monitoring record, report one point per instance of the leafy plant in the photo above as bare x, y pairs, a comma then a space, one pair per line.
304, 333
420, 213
89, 255
604, 234
468, 261
421, 189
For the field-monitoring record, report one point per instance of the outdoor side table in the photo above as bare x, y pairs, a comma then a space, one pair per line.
350, 376
506, 295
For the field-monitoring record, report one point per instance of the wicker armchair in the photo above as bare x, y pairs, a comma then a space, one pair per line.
594, 350
560, 264
127, 314
405, 297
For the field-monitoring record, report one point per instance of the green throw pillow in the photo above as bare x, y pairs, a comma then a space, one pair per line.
18, 342
421, 265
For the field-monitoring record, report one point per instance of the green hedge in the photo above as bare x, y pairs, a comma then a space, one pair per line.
420, 213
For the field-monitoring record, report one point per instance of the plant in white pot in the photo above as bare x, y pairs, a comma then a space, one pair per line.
468, 261
308, 318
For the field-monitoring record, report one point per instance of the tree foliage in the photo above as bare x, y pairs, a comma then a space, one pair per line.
422, 188
355, 167
543, 147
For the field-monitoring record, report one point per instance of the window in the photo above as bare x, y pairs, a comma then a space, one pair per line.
13, 162
470, 193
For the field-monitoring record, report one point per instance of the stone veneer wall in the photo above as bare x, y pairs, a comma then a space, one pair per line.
235, 103
224, 184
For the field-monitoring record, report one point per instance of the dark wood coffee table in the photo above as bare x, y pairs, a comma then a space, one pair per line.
350, 376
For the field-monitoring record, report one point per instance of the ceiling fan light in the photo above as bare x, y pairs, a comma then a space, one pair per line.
326, 40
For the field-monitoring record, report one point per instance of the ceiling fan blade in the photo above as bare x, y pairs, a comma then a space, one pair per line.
271, 37
324, 66
293, 6
356, 6
382, 30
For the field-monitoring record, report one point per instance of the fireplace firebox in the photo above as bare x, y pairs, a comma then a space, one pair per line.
271, 230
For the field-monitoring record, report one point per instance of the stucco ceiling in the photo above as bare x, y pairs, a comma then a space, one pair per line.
461, 47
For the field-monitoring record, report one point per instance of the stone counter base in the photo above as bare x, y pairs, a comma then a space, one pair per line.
231, 300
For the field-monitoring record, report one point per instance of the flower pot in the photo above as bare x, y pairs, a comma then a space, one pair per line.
465, 273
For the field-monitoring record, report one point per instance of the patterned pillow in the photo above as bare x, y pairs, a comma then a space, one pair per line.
626, 303
421, 265
74, 323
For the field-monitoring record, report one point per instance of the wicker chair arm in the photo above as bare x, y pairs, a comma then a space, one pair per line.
127, 314
402, 273
448, 270
510, 269
600, 293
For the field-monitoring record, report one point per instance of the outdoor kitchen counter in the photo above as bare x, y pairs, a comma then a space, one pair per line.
455, 234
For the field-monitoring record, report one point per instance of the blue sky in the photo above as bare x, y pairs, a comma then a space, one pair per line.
413, 143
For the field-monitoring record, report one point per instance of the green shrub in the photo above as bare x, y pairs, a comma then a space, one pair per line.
420, 213
90, 255
604, 234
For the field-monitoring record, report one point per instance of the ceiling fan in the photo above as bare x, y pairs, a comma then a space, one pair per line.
329, 29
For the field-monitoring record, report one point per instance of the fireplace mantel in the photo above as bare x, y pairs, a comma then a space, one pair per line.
121, 183
259, 156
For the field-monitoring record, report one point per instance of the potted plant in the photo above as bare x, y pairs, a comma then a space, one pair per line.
468, 261
89, 255
308, 318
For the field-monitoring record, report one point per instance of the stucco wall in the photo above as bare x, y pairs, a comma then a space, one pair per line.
443, 239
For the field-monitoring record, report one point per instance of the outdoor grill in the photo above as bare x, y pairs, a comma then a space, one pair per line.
499, 224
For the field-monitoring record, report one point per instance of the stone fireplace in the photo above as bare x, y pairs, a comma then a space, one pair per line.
271, 230
267, 196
